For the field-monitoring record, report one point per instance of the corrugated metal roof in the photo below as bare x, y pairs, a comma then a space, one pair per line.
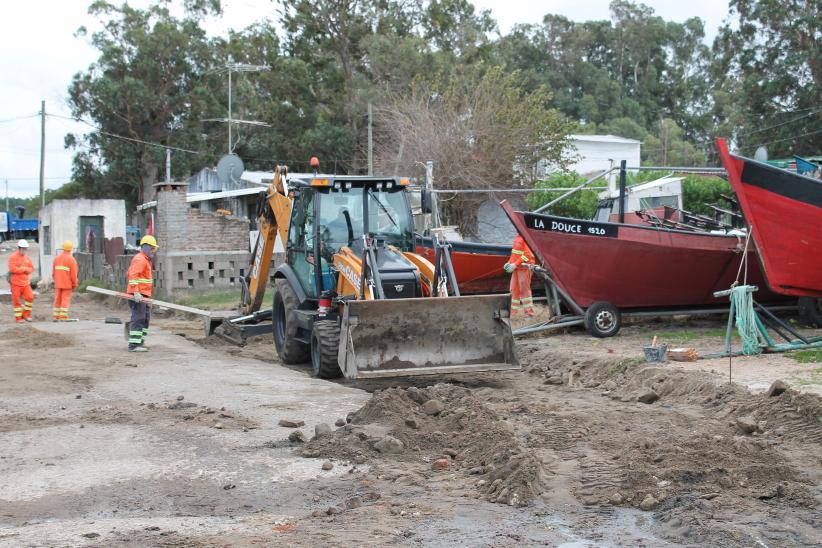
604, 139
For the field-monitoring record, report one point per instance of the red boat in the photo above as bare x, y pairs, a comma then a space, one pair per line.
610, 266
784, 211
478, 266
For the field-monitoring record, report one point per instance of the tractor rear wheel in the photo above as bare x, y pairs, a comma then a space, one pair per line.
284, 325
325, 344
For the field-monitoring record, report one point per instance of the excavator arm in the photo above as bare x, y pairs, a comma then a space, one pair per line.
273, 217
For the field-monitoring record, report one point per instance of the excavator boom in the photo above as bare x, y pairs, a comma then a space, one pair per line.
272, 221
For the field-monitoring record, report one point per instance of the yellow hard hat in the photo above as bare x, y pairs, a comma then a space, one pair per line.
149, 239
67, 246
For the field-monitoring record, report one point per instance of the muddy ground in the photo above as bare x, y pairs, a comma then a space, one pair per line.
587, 446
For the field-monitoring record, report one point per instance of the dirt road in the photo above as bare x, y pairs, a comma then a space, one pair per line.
97, 448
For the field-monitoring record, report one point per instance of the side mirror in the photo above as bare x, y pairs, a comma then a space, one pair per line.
426, 201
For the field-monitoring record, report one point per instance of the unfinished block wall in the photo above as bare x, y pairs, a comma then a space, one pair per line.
199, 251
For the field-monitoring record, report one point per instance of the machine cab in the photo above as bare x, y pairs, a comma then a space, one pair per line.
332, 212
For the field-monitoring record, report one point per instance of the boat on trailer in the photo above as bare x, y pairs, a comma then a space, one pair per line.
784, 211
604, 268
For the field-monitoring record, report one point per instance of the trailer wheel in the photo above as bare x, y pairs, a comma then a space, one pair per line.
810, 311
602, 319
325, 344
284, 325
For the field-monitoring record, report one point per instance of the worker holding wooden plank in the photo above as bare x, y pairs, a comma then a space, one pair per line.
140, 283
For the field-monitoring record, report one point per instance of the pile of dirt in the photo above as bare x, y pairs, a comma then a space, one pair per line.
444, 424
26, 336
737, 450
709, 465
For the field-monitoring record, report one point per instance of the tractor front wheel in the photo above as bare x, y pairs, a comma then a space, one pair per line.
325, 344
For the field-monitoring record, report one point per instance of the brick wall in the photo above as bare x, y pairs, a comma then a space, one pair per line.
199, 250
214, 232
181, 228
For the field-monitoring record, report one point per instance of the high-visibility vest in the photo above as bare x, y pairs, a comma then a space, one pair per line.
139, 275
64, 271
20, 266
520, 253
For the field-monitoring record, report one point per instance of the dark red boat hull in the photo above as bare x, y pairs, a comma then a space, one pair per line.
635, 266
784, 211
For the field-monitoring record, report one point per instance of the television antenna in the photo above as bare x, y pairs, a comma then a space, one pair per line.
231, 67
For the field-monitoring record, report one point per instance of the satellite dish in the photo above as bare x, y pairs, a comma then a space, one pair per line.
229, 169
761, 154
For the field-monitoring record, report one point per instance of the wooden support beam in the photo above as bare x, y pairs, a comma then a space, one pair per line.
152, 302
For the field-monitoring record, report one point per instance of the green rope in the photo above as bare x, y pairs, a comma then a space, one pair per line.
745, 316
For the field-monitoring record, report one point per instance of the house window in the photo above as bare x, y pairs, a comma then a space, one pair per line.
91, 234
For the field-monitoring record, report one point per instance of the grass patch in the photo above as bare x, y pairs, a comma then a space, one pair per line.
687, 335
624, 365
807, 356
82, 287
215, 300
814, 379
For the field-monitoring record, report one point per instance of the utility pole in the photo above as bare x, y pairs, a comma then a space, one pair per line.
229, 104
168, 165
370, 142
42, 153
7, 194
429, 184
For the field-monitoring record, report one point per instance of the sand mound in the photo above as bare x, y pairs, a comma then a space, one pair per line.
27, 336
439, 422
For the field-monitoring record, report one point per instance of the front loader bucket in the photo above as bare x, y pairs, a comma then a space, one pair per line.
426, 336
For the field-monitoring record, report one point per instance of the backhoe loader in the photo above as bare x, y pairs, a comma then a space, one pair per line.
352, 297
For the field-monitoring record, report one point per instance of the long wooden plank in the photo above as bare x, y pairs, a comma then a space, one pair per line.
152, 302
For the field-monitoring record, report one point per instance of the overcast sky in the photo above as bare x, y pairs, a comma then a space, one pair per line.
40, 55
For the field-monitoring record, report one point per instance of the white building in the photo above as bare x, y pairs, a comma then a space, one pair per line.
93, 226
598, 153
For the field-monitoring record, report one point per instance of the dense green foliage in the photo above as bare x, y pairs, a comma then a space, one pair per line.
160, 78
580, 205
697, 191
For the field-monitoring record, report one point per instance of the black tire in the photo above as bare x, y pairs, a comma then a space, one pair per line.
284, 325
810, 311
602, 319
325, 344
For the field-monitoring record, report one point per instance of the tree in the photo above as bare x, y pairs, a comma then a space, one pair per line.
580, 205
635, 66
481, 130
768, 73
149, 87
669, 147
330, 36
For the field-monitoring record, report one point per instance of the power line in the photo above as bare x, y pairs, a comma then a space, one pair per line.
37, 178
781, 123
16, 118
123, 137
788, 138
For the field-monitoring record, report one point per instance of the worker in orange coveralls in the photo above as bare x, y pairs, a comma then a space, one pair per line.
22, 297
521, 298
140, 284
64, 274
